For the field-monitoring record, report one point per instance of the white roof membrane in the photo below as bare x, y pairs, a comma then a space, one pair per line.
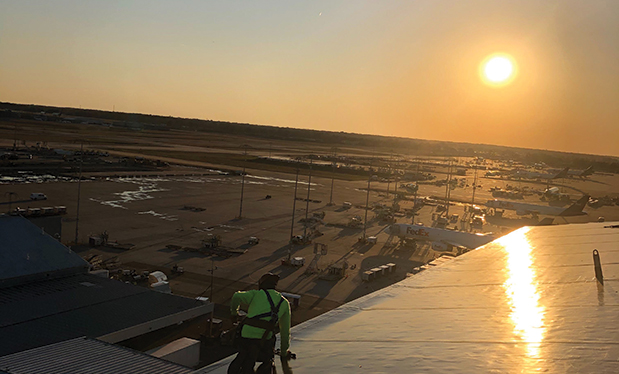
527, 302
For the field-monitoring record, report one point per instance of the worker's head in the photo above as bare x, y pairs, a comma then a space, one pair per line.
268, 281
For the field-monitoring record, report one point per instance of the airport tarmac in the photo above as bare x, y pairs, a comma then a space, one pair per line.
153, 212
180, 205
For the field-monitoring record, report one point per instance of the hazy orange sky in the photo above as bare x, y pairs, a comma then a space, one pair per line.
403, 68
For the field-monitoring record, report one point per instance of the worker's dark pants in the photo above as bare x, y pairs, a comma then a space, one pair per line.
250, 352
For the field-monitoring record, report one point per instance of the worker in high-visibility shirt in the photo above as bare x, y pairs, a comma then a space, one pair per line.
267, 313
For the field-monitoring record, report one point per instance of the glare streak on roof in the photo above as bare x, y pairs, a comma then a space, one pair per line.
527, 302
83, 355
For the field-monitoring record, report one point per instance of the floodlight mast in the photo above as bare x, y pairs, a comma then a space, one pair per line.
79, 189
334, 150
309, 184
243, 180
367, 201
294, 205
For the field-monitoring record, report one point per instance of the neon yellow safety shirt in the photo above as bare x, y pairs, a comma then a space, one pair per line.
256, 302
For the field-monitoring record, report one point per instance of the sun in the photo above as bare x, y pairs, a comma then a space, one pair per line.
498, 69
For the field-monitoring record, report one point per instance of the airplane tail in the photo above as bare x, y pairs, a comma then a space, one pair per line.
588, 171
576, 208
562, 173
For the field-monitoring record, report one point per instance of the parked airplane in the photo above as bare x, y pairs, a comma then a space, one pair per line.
579, 173
535, 175
554, 193
525, 208
442, 236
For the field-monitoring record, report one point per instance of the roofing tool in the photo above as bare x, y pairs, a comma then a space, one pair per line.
291, 356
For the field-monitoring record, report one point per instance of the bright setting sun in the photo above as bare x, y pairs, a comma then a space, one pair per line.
498, 70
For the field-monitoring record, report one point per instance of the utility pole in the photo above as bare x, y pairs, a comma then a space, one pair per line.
294, 206
367, 201
309, 184
79, 189
210, 299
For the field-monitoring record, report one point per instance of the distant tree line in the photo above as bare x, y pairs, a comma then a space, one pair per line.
341, 139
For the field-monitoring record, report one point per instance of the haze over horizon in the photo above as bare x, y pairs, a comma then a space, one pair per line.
395, 68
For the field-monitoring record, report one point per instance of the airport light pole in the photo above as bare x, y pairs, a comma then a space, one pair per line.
309, 184
79, 189
395, 191
416, 188
294, 206
10, 195
390, 172
15, 139
243, 181
334, 149
242, 190
367, 201
212, 271
474, 184
448, 189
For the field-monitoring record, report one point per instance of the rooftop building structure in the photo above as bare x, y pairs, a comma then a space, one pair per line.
28, 254
84, 355
47, 296
527, 302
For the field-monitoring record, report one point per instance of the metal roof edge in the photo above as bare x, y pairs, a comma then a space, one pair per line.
156, 324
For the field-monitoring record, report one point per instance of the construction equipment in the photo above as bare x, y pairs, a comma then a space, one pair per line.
212, 241
178, 269
294, 261
319, 251
300, 239
97, 240
319, 215
355, 222
335, 271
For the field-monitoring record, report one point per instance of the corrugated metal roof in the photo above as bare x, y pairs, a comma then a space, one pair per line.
83, 355
527, 302
26, 251
47, 312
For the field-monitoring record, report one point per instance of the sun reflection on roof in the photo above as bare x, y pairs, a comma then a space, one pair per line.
527, 314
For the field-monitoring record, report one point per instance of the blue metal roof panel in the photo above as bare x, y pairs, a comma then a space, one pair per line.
82, 305
25, 250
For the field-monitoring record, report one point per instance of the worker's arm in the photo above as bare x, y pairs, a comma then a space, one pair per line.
242, 299
284, 328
